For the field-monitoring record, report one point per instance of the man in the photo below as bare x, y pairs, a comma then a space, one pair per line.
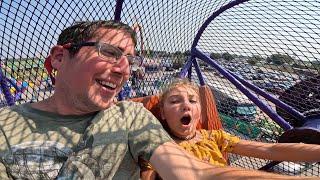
78, 132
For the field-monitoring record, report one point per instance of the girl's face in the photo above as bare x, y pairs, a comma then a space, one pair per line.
181, 110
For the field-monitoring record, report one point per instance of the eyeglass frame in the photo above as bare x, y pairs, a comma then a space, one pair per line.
131, 58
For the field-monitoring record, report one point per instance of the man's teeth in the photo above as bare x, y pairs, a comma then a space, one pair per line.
108, 84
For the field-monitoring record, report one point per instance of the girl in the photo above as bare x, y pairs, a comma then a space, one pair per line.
180, 110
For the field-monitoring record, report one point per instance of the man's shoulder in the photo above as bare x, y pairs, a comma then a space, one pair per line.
9, 113
119, 112
9, 108
128, 112
129, 103
14, 119
11, 123
126, 106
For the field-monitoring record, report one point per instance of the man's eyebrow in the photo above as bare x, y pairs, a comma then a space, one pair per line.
121, 49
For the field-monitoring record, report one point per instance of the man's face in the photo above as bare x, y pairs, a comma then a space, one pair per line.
90, 81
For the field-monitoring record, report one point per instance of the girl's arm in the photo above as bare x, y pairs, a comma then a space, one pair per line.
172, 162
295, 152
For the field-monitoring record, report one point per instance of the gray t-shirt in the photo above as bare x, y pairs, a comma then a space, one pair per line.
106, 145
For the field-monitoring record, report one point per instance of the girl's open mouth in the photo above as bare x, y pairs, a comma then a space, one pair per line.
186, 120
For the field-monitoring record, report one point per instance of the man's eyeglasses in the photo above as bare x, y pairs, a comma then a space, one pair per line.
107, 52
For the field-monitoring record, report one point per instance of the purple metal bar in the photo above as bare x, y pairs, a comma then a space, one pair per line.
5, 89
190, 72
117, 17
277, 102
18, 89
214, 15
198, 71
117, 12
13, 84
186, 67
263, 106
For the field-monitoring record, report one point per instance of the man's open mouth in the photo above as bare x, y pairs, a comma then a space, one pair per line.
107, 85
185, 120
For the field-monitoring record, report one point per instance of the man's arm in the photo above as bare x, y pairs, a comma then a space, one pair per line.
172, 162
3, 172
296, 152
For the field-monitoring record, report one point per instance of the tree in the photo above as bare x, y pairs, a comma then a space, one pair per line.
215, 55
178, 63
279, 59
177, 53
227, 56
296, 65
202, 63
179, 59
316, 65
187, 53
255, 59
252, 61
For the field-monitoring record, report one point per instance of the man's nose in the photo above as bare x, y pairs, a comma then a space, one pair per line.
121, 66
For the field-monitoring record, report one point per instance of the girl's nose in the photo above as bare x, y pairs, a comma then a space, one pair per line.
187, 106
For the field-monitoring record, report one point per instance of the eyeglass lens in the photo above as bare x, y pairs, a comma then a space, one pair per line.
109, 51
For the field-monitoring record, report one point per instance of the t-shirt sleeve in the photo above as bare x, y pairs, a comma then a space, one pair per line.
145, 133
3, 172
225, 141
3, 169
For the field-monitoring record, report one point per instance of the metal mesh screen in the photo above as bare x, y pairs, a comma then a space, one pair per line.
273, 44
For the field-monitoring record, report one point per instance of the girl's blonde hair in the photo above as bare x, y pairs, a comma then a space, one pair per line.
179, 82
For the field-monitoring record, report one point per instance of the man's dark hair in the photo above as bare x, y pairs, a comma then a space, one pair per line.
85, 30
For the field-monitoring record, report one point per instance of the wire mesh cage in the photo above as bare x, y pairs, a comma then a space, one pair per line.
274, 45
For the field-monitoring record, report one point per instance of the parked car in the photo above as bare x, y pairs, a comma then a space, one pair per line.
244, 110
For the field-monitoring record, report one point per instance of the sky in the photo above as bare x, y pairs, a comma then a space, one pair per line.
267, 27
30, 28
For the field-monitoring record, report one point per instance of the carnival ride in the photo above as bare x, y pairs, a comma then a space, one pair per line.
260, 59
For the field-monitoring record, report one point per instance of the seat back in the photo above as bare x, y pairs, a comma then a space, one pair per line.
210, 117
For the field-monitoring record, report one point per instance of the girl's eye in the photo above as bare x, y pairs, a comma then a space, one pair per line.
193, 101
174, 102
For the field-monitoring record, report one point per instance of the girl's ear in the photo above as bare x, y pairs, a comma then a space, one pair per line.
56, 54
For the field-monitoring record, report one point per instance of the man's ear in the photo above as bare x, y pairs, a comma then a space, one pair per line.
56, 54
162, 113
